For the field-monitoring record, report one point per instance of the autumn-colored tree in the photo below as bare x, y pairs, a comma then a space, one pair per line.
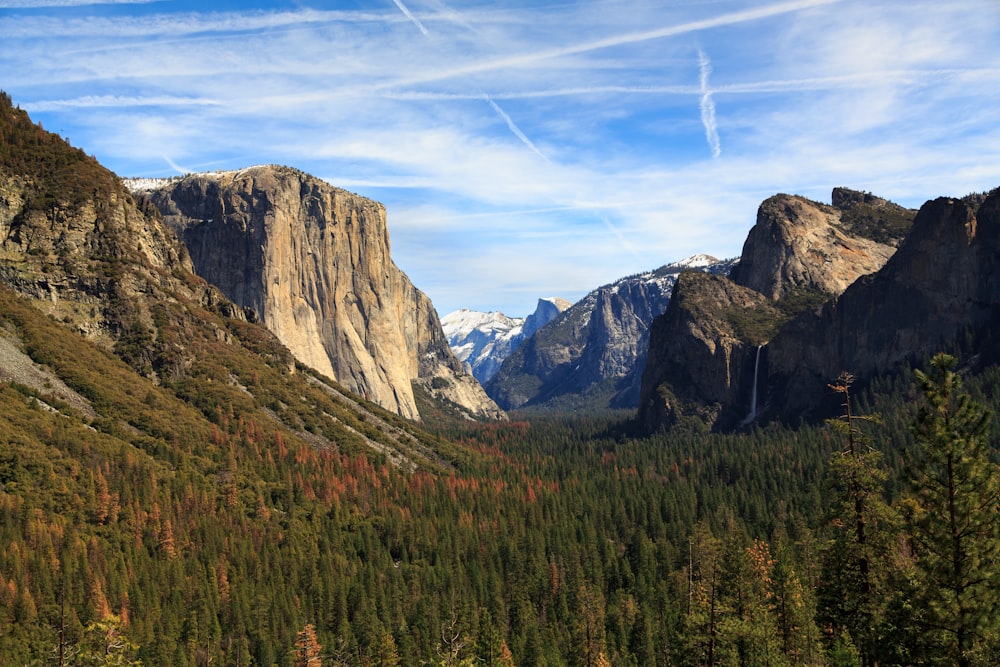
307, 648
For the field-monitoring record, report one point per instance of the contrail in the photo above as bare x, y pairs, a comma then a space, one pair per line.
708, 106
410, 16
496, 107
176, 167
526, 59
514, 128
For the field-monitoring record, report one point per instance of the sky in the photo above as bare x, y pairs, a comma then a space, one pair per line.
528, 149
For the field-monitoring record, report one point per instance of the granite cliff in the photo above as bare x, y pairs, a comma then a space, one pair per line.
706, 351
592, 355
312, 263
941, 288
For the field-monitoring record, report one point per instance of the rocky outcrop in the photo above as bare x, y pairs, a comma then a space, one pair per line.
704, 352
799, 254
593, 354
797, 243
941, 287
74, 241
484, 340
312, 262
943, 283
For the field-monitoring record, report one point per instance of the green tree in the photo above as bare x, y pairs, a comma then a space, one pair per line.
855, 561
105, 645
952, 509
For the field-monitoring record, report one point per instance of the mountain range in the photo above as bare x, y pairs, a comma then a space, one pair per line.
591, 356
484, 340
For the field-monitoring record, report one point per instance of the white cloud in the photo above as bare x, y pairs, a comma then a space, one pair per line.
534, 151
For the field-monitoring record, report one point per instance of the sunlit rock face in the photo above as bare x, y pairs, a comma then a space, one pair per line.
313, 262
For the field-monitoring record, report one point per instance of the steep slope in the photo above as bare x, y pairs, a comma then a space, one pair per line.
484, 340
703, 351
937, 291
119, 289
941, 286
593, 354
312, 262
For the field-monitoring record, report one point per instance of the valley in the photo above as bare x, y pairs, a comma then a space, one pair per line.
232, 432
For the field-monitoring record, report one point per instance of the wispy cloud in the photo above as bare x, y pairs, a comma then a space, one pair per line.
47, 4
514, 128
708, 106
413, 19
401, 102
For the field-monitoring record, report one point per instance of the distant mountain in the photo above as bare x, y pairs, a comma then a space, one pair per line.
484, 340
592, 354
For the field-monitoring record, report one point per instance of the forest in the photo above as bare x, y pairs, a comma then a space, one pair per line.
192, 532
219, 505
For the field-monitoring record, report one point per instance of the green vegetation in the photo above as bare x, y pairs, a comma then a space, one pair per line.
204, 531
61, 177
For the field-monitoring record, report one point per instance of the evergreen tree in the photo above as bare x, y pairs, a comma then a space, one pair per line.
855, 562
953, 513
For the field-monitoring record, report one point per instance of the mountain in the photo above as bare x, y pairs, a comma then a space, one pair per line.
592, 354
941, 290
104, 310
484, 340
312, 263
837, 288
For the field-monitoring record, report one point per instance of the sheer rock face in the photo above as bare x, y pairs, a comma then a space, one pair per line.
801, 243
593, 354
703, 350
312, 261
700, 361
943, 282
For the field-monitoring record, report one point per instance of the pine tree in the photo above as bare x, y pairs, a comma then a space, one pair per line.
855, 563
953, 514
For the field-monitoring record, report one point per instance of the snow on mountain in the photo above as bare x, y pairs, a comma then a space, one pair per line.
484, 340
593, 354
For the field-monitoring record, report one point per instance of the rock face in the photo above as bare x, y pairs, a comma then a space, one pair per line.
484, 340
800, 243
75, 241
943, 283
593, 354
312, 263
702, 353
799, 254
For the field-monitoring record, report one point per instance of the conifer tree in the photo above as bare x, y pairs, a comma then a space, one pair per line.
953, 513
307, 648
855, 568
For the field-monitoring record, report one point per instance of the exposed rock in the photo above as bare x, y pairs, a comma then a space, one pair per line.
943, 283
312, 262
484, 340
593, 354
797, 243
702, 353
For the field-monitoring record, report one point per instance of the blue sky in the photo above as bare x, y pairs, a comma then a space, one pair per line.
530, 149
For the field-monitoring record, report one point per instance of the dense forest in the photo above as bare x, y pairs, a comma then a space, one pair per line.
206, 501
199, 536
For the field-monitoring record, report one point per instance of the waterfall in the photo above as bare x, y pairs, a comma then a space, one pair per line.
753, 394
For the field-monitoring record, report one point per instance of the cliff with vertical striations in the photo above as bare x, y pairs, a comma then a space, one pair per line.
312, 263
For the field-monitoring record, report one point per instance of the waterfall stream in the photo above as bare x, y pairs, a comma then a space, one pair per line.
753, 394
